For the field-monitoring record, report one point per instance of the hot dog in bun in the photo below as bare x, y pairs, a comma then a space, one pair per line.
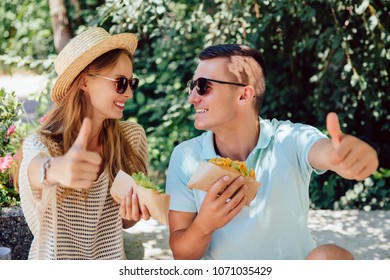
207, 173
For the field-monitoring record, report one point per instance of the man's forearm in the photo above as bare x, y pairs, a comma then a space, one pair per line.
190, 243
351, 158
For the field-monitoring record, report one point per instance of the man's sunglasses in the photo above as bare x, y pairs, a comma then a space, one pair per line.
121, 83
201, 85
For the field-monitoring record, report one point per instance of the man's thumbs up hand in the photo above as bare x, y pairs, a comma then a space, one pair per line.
78, 168
352, 158
333, 127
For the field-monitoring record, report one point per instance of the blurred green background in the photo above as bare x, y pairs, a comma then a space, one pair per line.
321, 56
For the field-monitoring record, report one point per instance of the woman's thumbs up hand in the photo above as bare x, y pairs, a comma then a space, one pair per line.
78, 168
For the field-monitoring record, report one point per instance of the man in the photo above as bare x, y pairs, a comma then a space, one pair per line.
227, 92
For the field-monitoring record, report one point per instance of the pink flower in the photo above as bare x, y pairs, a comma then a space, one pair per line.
11, 130
5, 162
42, 119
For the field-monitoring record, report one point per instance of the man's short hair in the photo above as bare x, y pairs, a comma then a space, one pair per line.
247, 66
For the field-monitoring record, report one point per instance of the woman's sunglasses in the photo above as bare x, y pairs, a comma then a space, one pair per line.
121, 83
201, 85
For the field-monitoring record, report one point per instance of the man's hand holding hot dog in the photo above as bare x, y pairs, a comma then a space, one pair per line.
221, 204
344, 154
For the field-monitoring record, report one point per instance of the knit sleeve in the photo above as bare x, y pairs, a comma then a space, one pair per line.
33, 200
136, 137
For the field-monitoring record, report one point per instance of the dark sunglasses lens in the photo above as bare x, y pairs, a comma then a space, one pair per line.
121, 85
202, 86
134, 84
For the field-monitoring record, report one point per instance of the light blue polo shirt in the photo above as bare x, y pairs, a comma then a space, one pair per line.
274, 226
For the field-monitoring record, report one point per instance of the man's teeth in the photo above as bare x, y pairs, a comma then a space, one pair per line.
120, 104
201, 111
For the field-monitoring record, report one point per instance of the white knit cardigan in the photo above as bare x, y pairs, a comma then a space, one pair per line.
74, 228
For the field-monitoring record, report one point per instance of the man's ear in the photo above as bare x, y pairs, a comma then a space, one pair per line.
247, 94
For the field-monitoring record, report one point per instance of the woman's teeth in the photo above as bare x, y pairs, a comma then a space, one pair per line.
120, 104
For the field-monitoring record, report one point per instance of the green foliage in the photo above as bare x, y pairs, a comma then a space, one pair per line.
321, 56
26, 39
368, 195
329, 192
163, 62
12, 131
26, 42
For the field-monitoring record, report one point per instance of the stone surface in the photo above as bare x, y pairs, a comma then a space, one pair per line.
365, 234
154, 237
134, 248
14, 233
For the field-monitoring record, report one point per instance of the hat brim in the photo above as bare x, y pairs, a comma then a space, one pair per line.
126, 41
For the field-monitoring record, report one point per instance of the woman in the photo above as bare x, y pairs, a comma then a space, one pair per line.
70, 163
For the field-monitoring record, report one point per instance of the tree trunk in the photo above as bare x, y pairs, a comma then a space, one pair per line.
60, 24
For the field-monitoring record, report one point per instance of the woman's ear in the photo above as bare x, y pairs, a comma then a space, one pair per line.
247, 94
84, 83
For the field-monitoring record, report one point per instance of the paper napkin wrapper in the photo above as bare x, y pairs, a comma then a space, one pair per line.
206, 174
157, 204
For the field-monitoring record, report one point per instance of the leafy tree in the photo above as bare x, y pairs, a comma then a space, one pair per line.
12, 131
26, 39
321, 56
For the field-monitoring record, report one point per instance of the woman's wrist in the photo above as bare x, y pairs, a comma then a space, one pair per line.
45, 172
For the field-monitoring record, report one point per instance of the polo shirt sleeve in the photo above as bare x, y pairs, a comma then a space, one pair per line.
179, 173
304, 137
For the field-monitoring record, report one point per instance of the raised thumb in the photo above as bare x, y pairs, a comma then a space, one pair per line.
333, 127
81, 141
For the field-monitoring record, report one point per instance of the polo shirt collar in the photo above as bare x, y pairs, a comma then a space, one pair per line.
266, 133
208, 151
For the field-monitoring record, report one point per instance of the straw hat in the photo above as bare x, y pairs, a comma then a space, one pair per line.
81, 51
